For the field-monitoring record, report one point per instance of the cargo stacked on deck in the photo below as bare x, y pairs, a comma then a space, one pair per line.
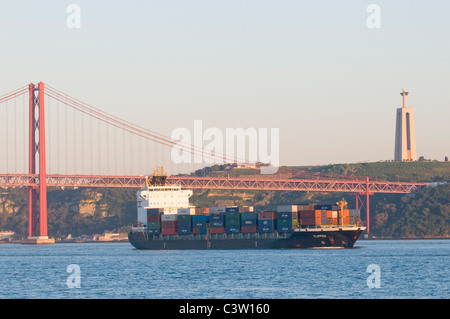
267, 222
355, 216
154, 220
232, 220
199, 223
185, 220
287, 218
201, 211
169, 224
248, 222
344, 217
217, 219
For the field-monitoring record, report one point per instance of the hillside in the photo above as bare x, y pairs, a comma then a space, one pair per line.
90, 211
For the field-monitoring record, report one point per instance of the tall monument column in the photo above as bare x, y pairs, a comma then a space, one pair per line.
405, 139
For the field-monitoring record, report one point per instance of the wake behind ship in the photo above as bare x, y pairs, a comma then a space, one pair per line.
166, 221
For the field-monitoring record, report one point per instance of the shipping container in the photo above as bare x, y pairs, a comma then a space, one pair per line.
266, 225
249, 229
248, 222
169, 224
284, 229
153, 218
186, 211
355, 212
310, 214
199, 230
203, 218
286, 215
324, 207
248, 215
267, 215
216, 224
232, 229
246, 209
153, 231
217, 230
287, 208
287, 222
155, 211
217, 210
217, 218
201, 210
232, 222
232, 209
153, 225
169, 231
184, 218
199, 224
168, 218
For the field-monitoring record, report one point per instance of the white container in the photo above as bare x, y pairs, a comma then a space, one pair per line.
169, 218
287, 209
186, 211
334, 214
217, 210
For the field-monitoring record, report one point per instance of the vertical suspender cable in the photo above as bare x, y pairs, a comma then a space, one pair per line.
74, 141
57, 138
6, 129
15, 135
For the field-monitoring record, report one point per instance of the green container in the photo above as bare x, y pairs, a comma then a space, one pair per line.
184, 218
153, 225
232, 222
287, 222
232, 215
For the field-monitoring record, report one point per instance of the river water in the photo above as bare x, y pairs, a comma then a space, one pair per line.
374, 269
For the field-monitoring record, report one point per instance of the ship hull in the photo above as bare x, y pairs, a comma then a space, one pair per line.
339, 238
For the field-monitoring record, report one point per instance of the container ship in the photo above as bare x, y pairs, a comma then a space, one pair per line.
166, 221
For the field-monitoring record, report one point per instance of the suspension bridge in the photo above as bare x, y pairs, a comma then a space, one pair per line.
50, 139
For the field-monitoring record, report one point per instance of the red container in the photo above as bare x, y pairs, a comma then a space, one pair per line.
309, 221
249, 229
154, 218
267, 215
217, 230
310, 214
169, 231
169, 224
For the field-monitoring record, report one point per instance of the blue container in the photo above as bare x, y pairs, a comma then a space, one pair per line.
201, 230
203, 218
284, 229
232, 209
155, 211
285, 215
184, 225
248, 215
248, 222
199, 224
153, 231
184, 230
266, 225
232, 229
216, 218
216, 224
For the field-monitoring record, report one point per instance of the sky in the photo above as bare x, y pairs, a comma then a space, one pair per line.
312, 69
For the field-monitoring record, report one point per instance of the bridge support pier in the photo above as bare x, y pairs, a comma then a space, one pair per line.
360, 204
37, 196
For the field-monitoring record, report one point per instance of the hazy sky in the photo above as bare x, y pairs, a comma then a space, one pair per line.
313, 69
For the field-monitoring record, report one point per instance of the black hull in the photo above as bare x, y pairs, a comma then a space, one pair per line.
300, 239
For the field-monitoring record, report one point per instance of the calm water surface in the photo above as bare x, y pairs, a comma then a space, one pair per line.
408, 269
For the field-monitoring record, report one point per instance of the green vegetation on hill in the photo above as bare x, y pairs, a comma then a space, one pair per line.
90, 211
